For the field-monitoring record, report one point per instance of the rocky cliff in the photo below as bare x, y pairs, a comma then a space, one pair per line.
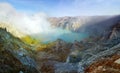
90, 24
15, 56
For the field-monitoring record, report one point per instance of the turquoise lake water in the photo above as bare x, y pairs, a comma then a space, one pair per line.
65, 35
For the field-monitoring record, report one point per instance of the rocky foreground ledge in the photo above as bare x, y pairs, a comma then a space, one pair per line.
15, 56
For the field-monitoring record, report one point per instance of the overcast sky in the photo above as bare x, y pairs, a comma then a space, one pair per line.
59, 8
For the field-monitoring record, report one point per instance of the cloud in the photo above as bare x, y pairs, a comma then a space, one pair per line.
96, 7
28, 24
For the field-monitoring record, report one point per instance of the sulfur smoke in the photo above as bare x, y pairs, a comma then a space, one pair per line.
29, 24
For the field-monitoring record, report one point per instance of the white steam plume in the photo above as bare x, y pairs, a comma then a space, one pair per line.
28, 24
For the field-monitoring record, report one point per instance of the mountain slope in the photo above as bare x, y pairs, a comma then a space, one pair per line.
15, 56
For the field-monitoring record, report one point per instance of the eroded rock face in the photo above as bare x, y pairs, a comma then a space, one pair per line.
14, 57
94, 25
106, 65
115, 33
66, 68
52, 55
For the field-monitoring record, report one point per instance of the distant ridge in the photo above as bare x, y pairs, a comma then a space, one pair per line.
89, 24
